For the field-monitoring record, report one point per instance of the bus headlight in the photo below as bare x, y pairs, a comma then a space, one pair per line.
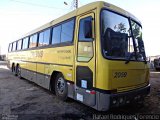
121, 100
114, 101
127, 101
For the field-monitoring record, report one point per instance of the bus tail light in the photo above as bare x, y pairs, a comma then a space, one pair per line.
91, 92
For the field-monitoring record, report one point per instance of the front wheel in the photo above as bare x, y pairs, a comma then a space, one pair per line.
61, 87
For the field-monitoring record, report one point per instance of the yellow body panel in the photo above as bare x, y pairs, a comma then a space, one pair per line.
46, 60
137, 74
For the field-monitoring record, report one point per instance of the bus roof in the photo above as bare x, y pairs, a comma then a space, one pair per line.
81, 10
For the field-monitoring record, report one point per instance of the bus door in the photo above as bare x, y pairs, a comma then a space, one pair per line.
85, 59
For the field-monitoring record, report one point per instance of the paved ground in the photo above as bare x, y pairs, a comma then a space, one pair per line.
20, 99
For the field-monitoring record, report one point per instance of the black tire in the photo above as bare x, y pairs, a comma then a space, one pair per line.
14, 70
18, 71
61, 88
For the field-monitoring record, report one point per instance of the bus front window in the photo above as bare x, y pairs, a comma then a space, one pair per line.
117, 42
117, 39
137, 33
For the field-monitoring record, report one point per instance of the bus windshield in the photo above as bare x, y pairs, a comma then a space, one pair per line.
137, 33
117, 39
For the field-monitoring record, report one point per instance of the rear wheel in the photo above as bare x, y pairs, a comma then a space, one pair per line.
18, 70
14, 70
12, 67
61, 87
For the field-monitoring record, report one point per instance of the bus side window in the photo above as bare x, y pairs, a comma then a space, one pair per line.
82, 29
56, 35
14, 46
33, 41
10, 47
19, 45
44, 38
67, 31
25, 43
40, 42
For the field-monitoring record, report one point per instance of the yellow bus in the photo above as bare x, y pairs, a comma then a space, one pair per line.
94, 54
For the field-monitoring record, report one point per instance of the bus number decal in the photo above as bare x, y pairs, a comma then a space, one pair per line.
120, 74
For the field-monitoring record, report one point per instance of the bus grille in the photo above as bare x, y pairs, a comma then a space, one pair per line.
131, 87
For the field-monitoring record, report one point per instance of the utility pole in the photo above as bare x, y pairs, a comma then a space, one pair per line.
0, 49
73, 4
0, 53
76, 4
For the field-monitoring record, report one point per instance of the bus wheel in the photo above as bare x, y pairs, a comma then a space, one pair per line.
14, 70
19, 71
61, 87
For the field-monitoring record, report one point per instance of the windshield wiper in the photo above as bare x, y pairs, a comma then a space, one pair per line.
129, 58
145, 61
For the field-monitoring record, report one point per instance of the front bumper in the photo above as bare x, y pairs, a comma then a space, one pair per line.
107, 101
121, 99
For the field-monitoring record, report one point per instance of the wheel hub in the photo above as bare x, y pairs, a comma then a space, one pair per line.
60, 86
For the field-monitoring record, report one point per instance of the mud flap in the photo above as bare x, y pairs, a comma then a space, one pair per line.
70, 87
85, 96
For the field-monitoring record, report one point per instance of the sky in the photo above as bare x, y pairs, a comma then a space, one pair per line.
18, 17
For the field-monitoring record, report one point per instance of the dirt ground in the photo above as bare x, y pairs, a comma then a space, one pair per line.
23, 100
